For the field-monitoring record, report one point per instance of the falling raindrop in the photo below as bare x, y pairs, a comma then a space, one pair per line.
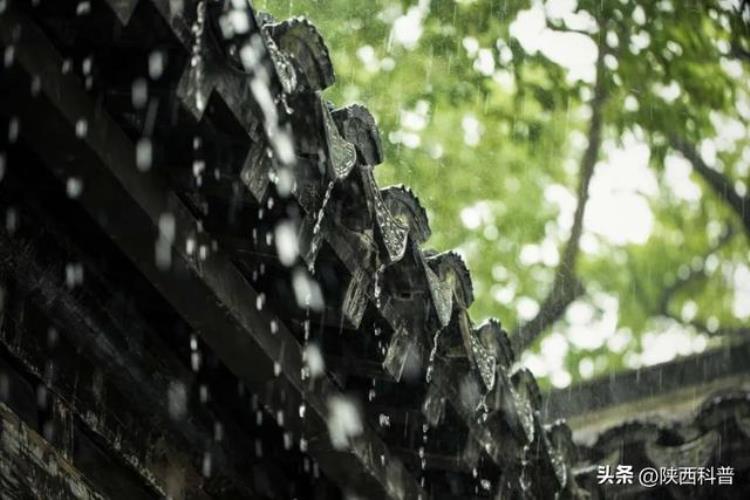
82, 128
177, 400
36, 85
377, 291
41, 396
195, 360
11, 220
313, 359
287, 245
196, 59
198, 167
522, 479
139, 93
155, 64
288, 441
384, 420
344, 421
86, 65
315, 244
163, 247
83, 8
433, 352
9, 56
206, 465
73, 274
307, 325
52, 334
143, 154
14, 126
307, 292
74, 187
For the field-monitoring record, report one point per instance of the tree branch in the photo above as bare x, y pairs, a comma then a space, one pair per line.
566, 287
731, 332
670, 291
661, 307
565, 29
739, 53
736, 49
720, 183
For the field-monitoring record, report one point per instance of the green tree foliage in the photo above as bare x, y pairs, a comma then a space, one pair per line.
590, 159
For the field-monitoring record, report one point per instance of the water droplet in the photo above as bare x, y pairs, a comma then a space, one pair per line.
155, 64
14, 127
315, 244
143, 154
195, 360
74, 187
83, 8
344, 421
313, 359
177, 400
287, 245
206, 465
86, 65
9, 56
73, 274
139, 93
